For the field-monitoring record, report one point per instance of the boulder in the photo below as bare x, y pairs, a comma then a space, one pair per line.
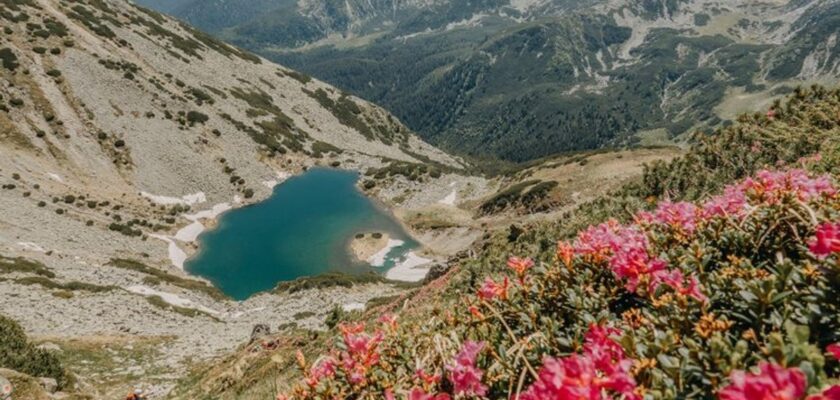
435, 272
259, 331
49, 384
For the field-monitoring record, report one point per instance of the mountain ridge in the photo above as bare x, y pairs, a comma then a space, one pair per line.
469, 93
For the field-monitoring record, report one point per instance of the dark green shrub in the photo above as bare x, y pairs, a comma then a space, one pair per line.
194, 117
17, 353
8, 59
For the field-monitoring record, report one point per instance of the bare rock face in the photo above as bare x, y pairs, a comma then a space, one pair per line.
260, 331
436, 271
50, 385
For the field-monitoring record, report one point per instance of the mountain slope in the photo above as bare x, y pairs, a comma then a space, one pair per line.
525, 79
123, 134
749, 281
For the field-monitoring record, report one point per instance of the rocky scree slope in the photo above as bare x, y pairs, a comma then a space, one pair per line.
120, 126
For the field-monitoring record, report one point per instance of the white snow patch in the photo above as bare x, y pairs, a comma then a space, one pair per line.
449, 200
407, 270
170, 298
55, 177
378, 259
190, 232
281, 176
176, 256
211, 213
353, 307
29, 246
189, 199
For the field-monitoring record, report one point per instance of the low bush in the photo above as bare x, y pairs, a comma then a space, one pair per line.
22, 265
17, 353
331, 279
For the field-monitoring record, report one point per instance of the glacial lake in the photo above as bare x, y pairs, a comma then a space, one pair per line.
303, 229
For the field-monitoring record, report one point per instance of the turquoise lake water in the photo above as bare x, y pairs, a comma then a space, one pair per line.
303, 229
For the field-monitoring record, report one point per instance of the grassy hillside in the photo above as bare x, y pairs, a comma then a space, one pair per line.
694, 278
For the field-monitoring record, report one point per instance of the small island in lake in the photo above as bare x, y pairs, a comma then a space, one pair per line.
366, 245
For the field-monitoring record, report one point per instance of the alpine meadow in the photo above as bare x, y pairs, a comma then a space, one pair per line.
420, 199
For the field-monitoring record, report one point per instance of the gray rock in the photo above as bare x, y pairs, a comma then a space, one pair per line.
435, 272
49, 346
49, 384
259, 331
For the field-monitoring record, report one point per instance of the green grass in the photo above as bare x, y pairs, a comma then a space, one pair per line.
22, 265
71, 286
333, 279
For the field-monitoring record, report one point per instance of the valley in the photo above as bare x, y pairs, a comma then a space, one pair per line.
522, 80
185, 217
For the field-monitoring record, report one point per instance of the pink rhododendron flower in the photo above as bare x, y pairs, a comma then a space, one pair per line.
464, 375
427, 378
520, 265
733, 202
565, 253
771, 186
490, 289
681, 216
772, 382
607, 354
610, 237
324, 369
827, 240
834, 350
575, 378
361, 354
389, 320
419, 394
636, 266
602, 369
832, 393
677, 281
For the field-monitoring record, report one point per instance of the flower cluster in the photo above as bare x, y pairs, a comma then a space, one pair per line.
827, 240
739, 284
361, 354
773, 381
602, 370
465, 377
